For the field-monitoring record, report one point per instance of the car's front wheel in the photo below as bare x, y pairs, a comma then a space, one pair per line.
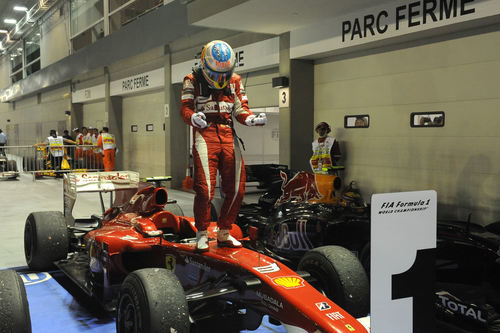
340, 276
15, 313
45, 239
152, 300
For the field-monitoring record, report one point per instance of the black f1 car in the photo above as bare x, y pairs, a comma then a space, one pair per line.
468, 255
141, 260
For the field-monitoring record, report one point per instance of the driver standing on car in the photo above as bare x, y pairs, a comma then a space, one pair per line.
326, 151
211, 95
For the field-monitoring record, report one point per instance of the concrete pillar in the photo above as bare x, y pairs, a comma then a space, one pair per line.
176, 131
113, 118
76, 115
297, 120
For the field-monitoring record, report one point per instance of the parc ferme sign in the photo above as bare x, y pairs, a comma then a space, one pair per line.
403, 246
392, 19
140, 82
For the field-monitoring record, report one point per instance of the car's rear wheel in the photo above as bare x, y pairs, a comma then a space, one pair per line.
15, 313
152, 300
174, 208
45, 239
340, 276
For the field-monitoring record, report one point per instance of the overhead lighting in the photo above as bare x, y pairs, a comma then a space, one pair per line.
20, 9
10, 21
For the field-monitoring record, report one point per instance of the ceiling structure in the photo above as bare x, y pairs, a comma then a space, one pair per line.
7, 11
275, 16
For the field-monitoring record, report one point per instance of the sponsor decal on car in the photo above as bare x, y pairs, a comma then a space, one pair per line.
463, 309
34, 278
270, 301
202, 266
350, 328
268, 269
301, 187
289, 282
170, 263
293, 240
335, 315
322, 306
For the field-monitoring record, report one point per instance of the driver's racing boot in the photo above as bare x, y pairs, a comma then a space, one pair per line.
224, 239
201, 241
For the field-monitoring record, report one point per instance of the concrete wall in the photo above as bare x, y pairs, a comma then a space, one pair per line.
144, 151
93, 114
262, 143
460, 161
4, 71
55, 41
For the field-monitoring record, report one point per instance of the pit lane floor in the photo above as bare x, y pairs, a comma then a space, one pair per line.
55, 304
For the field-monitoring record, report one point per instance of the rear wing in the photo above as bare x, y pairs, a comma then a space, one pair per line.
96, 182
101, 181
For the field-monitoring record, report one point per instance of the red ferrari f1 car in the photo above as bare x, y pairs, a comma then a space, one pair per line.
140, 259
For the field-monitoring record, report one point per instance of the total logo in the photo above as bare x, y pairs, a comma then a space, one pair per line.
289, 282
34, 278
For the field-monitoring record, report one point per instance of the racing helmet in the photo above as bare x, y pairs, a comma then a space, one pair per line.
217, 63
323, 125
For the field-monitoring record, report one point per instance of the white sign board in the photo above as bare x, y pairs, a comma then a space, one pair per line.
88, 94
403, 242
140, 82
388, 20
260, 55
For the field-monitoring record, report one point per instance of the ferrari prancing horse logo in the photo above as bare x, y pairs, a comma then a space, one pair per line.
170, 263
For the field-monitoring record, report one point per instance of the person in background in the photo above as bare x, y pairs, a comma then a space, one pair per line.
96, 151
107, 143
87, 151
70, 151
3, 142
78, 150
326, 150
56, 148
211, 96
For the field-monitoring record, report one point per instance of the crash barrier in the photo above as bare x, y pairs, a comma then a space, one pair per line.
51, 161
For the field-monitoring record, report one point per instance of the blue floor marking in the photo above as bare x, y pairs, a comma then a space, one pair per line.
54, 309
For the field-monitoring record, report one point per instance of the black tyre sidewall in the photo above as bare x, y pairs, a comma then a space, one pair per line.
14, 314
340, 276
158, 300
45, 239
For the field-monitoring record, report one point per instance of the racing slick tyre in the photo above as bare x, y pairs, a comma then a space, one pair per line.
152, 300
174, 208
339, 274
14, 309
45, 239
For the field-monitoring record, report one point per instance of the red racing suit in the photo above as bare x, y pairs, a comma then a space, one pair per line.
215, 147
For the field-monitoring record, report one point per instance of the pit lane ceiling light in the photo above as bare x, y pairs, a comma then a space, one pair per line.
9, 21
20, 9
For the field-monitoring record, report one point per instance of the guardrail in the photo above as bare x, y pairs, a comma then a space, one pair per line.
42, 161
